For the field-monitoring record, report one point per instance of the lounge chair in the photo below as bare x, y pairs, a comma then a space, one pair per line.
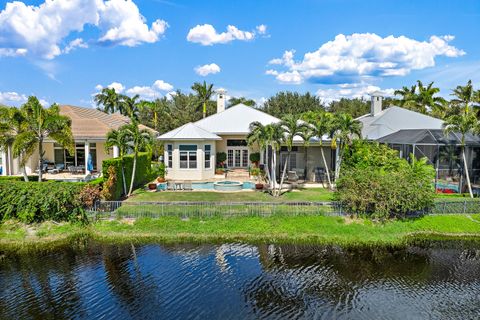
170, 186
187, 185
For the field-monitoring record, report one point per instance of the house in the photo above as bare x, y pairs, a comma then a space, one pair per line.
190, 150
89, 129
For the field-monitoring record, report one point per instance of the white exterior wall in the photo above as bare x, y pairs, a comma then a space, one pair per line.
199, 173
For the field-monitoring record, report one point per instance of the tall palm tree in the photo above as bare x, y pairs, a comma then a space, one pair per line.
109, 99
42, 123
425, 99
291, 127
204, 92
463, 122
408, 99
139, 139
344, 130
120, 139
275, 137
129, 107
12, 123
321, 123
258, 136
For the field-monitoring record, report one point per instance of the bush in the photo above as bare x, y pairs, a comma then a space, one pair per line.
142, 175
35, 202
158, 170
110, 185
221, 157
18, 178
375, 182
255, 157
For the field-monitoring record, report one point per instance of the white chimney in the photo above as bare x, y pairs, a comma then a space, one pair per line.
376, 103
221, 93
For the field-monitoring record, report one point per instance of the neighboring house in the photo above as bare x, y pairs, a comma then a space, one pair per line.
190, 150
89, 129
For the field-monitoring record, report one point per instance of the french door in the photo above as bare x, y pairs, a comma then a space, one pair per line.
237, 157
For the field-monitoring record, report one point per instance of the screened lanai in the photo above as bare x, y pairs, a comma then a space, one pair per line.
443, 152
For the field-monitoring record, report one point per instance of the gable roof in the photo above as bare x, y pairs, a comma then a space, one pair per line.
393, 119
89, 123
189, 131
235, 120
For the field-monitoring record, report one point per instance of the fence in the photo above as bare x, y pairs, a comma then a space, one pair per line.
126, 209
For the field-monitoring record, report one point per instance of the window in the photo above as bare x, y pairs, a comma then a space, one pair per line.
230, 158
208, 156
188, 156
236, 143
169, 156
293, 161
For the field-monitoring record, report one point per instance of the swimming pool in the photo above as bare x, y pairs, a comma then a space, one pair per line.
209, 185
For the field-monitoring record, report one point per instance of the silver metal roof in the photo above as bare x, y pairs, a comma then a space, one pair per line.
189, 131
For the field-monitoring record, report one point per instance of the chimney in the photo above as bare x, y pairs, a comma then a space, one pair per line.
221, 100
376, 103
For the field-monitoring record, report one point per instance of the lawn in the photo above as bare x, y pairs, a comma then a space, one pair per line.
276, 228
310, 194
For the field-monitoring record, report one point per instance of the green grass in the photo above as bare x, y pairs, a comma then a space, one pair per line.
311, 194
277, 228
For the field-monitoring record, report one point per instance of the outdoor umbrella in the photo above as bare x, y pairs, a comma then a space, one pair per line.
90, 163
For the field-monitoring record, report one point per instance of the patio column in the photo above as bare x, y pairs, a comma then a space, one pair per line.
87, 153
3, 155
116, 152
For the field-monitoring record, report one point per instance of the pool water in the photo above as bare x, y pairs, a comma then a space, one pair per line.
209, 185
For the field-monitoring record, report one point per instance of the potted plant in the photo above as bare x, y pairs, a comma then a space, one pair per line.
255, 158
152, 186
256, 172
160, 171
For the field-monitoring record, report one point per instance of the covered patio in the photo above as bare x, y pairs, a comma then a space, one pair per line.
443, 152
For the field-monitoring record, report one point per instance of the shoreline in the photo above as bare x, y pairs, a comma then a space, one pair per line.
321, 230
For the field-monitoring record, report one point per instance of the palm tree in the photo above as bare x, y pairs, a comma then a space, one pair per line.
139, 139
42, 123
275, 137
248, 102
408, 99
109, 99
204, 93
120, 139
129, 107
344, 130
258, 136
464, 122
12, 123
291, 127
425, 98
321, 124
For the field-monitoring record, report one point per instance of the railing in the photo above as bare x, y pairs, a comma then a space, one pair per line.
127, 209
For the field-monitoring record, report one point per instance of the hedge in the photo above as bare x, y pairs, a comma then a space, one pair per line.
35, 202
18, 178
142, 175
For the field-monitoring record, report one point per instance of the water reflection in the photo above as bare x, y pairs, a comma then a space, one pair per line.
238, 281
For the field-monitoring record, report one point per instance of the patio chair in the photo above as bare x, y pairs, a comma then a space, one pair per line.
60, 166
292, 176
187, 186
170, 186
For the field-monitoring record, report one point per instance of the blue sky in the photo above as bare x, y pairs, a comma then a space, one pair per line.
64, 51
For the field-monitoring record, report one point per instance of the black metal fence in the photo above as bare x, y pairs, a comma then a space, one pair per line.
127, 209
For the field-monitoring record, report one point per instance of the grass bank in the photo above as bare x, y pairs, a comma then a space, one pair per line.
274, 229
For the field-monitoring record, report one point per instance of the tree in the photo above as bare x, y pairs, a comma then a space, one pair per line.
42, 123
12, 123
344, 130
355, 107
463, 122
422, 99
109, 99
121, 140
138, 139
321, 124
408, 97
292, 103
130, 107
258, 136
204, 92
290, 127
248, 102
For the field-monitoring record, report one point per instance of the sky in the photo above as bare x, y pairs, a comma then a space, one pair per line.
65, 51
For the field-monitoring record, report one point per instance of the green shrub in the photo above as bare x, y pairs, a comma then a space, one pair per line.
158, 170
142, 176
36, 202
255, 157
18, 178
221, 157
375, 182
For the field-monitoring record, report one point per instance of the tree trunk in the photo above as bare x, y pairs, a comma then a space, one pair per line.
123, 178
40, 159
25, 176
283, 173
338, 162
133, 171
467, 175
204, 109
327, 170
274, 171
267, 167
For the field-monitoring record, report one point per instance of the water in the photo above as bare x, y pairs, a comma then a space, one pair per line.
209, 185
237, 281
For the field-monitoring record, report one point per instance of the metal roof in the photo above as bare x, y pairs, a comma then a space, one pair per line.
189, 131
393, 119
235, 120
429, 137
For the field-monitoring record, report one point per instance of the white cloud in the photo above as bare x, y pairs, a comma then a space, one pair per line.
119, 88
162, 85
40, 30
207, 69
362, 90
12, 98
145, 92
357, 57
77, 43
207, 35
